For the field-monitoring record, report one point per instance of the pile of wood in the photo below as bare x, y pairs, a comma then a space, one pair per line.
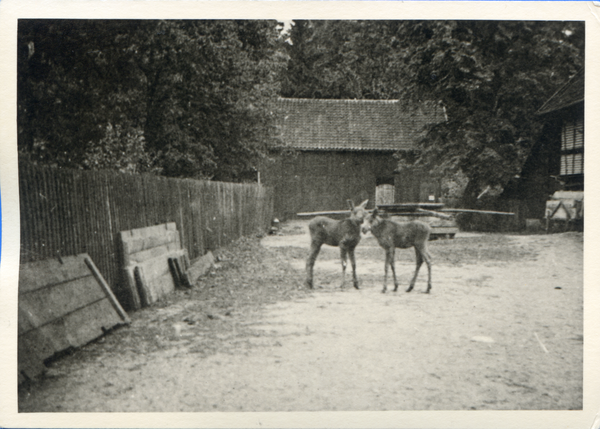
154, 263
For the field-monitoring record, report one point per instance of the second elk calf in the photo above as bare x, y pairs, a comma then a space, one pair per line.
344, 234
390, 234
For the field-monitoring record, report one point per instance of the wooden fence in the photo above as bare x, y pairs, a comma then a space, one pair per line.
69, 212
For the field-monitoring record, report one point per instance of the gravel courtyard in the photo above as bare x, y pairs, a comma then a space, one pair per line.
501, 330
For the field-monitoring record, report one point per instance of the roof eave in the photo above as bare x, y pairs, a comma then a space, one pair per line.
545, 112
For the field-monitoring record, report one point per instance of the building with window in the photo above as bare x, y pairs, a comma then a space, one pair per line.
565, 109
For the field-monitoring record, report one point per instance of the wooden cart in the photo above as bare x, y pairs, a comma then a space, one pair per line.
442, 225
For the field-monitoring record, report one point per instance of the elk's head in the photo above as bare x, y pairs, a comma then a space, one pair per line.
357, 213
371, 221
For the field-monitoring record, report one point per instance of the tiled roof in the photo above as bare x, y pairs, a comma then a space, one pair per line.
571, 93
363, 125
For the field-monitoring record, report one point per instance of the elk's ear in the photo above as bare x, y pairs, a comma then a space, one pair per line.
364, 203
350, 204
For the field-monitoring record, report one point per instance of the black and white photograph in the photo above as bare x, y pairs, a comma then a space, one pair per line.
344, 217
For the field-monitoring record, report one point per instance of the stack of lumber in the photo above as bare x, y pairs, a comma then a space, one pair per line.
154, 263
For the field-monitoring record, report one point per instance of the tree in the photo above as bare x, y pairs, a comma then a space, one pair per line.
184, 98
208, 100
344, 59
491, 77
68, 90
318, 67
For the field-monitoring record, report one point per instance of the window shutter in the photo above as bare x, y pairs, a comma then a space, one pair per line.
572, 141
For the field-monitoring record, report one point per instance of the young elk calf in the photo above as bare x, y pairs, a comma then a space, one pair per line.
342, 233
391, 234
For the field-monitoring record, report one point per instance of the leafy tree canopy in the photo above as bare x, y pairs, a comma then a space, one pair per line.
182, 98
193, 98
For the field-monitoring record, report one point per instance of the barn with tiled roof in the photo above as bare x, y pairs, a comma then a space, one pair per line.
344, 149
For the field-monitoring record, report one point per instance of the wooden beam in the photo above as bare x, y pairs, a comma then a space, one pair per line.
403, 207
476, 211
106, 288
410, 209
435, 214
324, 213
410, 214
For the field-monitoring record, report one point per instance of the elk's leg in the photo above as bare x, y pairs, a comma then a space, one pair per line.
393, 267
419, 263
353, 262
427, 258
315, 247
389, 252
343, 257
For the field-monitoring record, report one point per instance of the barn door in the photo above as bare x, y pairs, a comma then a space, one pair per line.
384, 194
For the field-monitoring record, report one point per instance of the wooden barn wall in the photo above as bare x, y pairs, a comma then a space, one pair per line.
69, 212
323, 180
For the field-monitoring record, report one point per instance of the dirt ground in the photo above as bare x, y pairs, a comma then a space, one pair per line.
501, 330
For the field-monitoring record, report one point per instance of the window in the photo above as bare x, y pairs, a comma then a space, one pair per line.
571, 164
571, 159
572, 135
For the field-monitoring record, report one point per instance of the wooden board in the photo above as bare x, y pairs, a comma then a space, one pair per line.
62, 304
146, 254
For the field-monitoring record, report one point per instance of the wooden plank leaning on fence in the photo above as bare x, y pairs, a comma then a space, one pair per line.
63, 303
